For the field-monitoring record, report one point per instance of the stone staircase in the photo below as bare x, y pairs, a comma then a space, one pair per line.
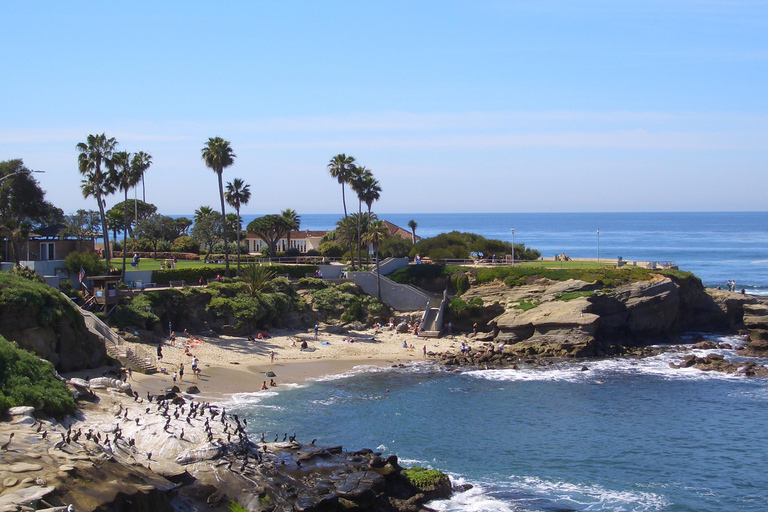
137, 360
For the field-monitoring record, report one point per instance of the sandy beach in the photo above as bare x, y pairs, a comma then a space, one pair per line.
231, 364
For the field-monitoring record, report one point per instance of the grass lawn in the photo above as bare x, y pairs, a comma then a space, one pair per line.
151, 264
566, 264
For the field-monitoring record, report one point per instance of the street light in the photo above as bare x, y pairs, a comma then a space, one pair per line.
23, 171
598, 247
513, 247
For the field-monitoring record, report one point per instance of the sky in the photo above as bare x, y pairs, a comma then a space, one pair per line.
455, 106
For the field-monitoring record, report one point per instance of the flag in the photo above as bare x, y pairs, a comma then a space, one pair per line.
81, 275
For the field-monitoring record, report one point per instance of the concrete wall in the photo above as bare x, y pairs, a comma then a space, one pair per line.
391, 264
399, 296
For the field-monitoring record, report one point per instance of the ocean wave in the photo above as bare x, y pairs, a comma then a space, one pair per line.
412, 367
598, 371
572, 496
529, 493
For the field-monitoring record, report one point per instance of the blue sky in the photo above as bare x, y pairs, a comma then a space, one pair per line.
483, 106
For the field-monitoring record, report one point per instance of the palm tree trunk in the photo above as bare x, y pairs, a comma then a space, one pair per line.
125, 230
378, 276
104, 229
359, 232
143, 190
224, 224
346, 226
238, 240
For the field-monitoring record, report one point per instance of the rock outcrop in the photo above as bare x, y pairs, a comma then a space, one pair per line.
65, 342
580, 319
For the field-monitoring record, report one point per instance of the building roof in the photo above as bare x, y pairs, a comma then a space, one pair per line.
395, 230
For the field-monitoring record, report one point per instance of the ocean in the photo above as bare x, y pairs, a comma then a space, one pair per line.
625, 435
716, 246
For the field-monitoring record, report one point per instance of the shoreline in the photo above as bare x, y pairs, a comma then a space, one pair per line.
231, 364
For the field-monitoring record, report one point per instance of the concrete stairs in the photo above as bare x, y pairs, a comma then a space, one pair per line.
138, 360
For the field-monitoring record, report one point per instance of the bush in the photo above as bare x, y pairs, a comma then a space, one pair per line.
331, 249
26, 380
22, 293
460, 308
186, 244
88, 261
426, 478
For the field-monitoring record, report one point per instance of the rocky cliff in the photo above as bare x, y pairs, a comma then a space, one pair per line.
581, 319
64, 340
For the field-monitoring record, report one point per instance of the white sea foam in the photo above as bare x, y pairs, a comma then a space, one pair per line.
476, 499
588, 497
599, 370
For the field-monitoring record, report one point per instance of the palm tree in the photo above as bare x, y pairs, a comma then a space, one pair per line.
141, 161
128, 174
340, 167
294, 218
94, 153
377, 230
413, 225
357, 181
371, 192
238, 194
217, 155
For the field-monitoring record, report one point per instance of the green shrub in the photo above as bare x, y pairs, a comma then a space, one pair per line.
459, 307
20, 292
26, 380
88, 261
186, 244
568, 296
425, 478
138, 312
525, 305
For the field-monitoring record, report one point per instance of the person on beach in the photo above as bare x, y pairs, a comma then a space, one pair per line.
424, 351
129, 374
272, 383
316, 330
272, 356
474, 329
174, 377
264, 386
181, 372
194, 365
159, 352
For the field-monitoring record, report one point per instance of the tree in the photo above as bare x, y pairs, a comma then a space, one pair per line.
413, 225
182, 226
83, 225
96, 152
340, 167
22, 204
238, 193
357, 179
271, 228
136, 211
256, 277
370, 192
207, 228
156, 229
128, 173
295, 218
377, 231
217, 155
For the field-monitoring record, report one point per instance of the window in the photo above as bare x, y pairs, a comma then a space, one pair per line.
47, 251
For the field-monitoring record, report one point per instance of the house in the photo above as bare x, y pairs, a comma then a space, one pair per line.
45, 244
302, 240
307, 240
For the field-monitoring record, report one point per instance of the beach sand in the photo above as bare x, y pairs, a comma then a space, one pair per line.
236, 365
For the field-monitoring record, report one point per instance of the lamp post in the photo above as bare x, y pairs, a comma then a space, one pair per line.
598, 247
23, 171
513, 247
